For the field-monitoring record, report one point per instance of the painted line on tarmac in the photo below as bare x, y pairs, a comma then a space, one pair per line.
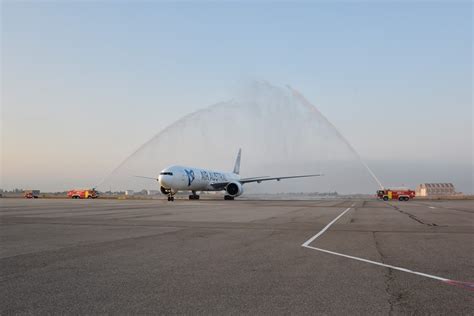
307, 242
380, 264
465, 285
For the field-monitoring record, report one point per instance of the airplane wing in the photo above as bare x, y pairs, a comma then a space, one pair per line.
143, 177
222, 185
260, 179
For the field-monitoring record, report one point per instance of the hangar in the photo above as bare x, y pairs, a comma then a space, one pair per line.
435, 189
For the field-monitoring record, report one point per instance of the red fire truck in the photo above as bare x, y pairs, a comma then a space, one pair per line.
83, 194
32, 194
402, 194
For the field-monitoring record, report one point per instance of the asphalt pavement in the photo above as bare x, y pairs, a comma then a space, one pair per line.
236, 257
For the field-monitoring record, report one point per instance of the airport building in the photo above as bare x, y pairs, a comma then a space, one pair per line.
435, 189
153, 192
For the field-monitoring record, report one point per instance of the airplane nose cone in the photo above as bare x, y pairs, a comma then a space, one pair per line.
166, 181
163, 182
166, 178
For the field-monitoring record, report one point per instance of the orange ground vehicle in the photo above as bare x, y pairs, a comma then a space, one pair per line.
402, 194
83, 194
32, 194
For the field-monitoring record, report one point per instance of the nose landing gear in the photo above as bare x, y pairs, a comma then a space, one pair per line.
170, 196
167, 192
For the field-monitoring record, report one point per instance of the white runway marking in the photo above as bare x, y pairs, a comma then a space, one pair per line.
307, 242
467, 285
432, 207
380, 264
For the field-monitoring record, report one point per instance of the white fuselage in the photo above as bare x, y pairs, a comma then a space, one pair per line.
181, 178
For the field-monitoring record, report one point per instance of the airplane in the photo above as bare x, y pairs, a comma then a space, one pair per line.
182, 178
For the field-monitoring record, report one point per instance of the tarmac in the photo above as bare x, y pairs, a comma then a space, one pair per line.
236, 257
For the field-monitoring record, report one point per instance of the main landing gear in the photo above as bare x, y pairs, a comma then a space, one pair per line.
194, 196
170, 197
228, 197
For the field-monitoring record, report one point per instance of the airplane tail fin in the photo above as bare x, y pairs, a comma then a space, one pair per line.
237, 162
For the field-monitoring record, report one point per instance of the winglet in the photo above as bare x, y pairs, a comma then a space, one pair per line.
237, 162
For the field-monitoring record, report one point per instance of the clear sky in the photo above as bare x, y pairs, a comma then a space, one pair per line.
86, 83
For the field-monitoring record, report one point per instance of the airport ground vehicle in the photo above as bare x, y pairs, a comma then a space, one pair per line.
402, 194
83, 194
32, 194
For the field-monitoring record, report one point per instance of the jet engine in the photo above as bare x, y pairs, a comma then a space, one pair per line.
234, 189
166, 191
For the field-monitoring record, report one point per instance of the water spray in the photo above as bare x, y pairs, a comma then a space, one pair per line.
281, 131
344, 140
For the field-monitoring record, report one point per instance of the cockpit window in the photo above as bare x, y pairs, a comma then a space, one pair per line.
166, 173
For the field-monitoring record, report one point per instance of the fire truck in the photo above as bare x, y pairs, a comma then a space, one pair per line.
83, 194
402, 194
32, 194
